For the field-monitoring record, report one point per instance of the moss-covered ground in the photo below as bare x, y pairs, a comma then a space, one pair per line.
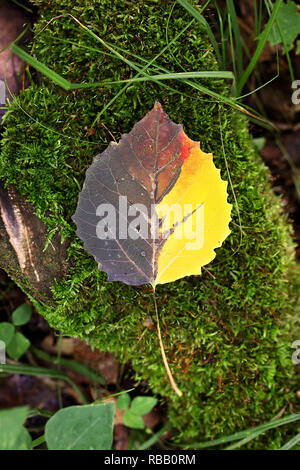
227, 333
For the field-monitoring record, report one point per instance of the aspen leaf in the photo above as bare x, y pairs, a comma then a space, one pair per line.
153, 208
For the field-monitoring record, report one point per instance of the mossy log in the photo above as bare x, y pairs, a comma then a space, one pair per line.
227, 333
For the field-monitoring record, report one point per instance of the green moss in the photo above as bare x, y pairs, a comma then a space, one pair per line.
227, 333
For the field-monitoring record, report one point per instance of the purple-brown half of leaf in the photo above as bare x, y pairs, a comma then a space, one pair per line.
143, 166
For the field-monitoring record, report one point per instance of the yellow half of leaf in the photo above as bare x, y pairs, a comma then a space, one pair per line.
197, 231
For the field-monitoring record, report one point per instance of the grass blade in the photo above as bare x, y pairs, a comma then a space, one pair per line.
244, 441
264, 37
25, 369
75, 366
153, 439
57, 79
175, 76
196, 14
38, 441
16, 40
223, 35
66, 85
257, 16
237, 35
20, 4
250, 433
290, 444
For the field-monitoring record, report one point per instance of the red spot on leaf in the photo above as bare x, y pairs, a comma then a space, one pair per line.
186, 145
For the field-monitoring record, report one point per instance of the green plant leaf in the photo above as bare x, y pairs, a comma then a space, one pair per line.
259, 143
86, 427
142, 405
123, 402
22, 315
7, 331
17, 346
13, 436
132, 420
288, 20
24, 441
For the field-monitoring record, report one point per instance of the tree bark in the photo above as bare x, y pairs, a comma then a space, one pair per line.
22, 246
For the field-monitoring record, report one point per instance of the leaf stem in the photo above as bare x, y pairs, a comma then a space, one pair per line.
169, 373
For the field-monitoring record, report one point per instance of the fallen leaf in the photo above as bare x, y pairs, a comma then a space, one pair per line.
153, 207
